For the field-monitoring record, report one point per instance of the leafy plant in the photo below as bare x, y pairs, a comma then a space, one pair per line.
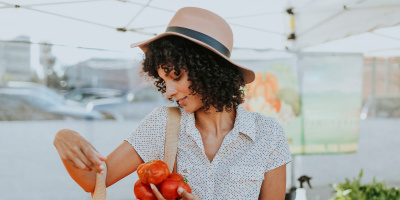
356, 191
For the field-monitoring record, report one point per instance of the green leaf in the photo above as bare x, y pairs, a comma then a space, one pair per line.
354, 190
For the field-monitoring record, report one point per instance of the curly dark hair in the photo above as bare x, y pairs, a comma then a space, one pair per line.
219, 82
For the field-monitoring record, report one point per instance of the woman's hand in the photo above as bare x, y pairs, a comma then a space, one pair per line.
77, 151
185, 195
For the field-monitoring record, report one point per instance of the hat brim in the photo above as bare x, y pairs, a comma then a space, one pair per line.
248, 74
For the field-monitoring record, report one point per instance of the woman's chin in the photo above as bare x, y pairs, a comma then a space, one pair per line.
188, 109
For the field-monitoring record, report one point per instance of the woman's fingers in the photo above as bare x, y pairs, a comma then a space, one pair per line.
73, 164
101, 157
67, 155
78, 152
156, 192
77, 163
93, 159
186, 195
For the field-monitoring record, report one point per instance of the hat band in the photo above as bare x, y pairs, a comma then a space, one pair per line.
201, 37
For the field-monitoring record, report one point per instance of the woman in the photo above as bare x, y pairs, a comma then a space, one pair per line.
224, 151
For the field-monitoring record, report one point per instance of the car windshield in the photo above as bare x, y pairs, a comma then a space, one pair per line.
36, 87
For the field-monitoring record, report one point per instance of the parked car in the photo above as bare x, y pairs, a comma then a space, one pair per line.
38, 103
134, 105
36, 87
82, 96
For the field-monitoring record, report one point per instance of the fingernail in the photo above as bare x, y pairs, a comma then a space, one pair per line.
152, 186
101, 167
180, 190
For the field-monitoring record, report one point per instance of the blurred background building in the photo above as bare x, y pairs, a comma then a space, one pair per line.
15, 59
103, 73
381, 86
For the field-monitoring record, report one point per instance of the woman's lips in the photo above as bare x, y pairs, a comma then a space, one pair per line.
182, 101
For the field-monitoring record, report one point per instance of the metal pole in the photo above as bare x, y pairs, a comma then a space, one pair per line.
387, 76
292, 171
2, 62
373, 87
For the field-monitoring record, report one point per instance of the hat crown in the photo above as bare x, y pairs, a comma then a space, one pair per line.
205, 22
204, 28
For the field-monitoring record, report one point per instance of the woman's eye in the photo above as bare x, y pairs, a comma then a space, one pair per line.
177, 78
176, 75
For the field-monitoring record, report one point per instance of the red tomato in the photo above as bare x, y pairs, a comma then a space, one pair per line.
143, 192
175, 176
170, 186
154, 171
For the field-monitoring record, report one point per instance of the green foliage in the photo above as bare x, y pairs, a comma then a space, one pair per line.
356, 191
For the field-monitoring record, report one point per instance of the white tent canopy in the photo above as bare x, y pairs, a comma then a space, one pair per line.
371, 27
256, 24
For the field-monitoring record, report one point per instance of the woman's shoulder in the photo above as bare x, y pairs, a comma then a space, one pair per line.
259, 119
265, 121
266, 126
258, 124
158, 112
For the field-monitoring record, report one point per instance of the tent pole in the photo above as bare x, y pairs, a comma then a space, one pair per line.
373, 87
292, 172
387, 76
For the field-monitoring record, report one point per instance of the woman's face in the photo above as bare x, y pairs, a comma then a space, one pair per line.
177, 86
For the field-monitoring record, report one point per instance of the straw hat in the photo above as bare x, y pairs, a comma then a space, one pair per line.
205, 28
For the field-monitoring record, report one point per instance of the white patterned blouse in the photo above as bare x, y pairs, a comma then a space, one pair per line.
256, 144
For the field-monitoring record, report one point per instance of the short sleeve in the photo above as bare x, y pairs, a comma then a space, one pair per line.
148, 138
280, 154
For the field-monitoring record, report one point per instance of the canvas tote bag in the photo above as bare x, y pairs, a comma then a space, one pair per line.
170, 152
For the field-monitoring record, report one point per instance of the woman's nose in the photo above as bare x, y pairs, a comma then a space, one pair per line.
170, 91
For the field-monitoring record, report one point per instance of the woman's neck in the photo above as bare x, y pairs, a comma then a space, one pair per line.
215, 123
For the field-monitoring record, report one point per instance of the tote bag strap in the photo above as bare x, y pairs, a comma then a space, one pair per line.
172, 137
100, 191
